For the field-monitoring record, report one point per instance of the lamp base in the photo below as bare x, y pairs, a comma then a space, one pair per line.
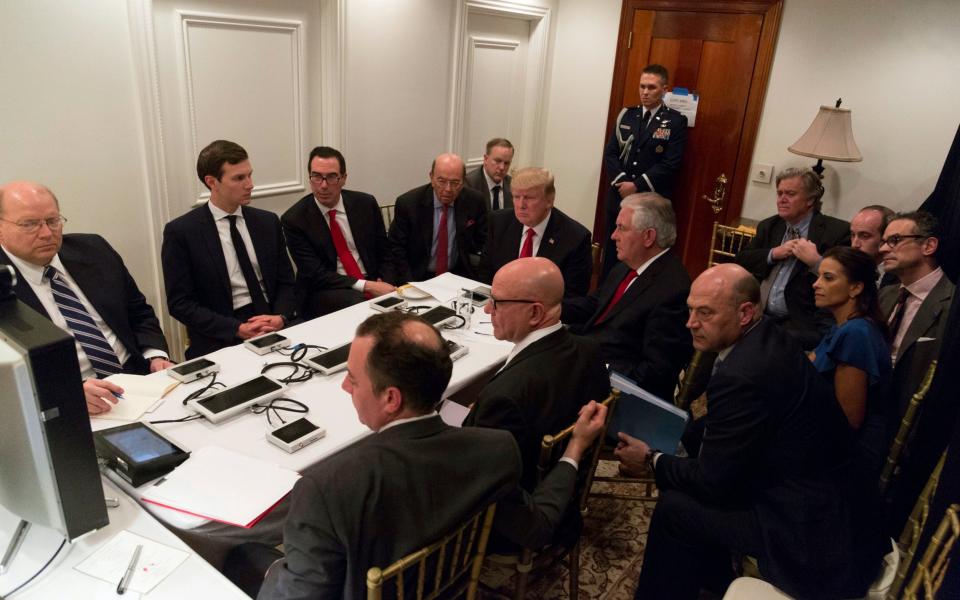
819, 168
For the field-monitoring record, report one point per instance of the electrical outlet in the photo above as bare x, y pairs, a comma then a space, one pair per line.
762, 173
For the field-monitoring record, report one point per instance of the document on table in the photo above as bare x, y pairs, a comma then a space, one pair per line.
224, 486
110, 561
140, 394
444, 287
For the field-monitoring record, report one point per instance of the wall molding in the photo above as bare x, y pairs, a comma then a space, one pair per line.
477, 42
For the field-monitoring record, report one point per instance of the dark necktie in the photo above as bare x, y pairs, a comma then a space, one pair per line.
496, 197
92, 341
527, 250
343, 251
767, 284
442, 260
896, 318
621, 290
260, 305
644, 120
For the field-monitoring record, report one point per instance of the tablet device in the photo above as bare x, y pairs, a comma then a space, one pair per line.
330, 361
237, 398
265, 344
438, 316
137, 452
192, 370
456, 350
480, 295
295, 435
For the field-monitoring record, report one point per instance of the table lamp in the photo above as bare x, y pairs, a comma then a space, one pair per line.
829, 137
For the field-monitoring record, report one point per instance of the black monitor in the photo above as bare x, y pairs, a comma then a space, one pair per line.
48, 465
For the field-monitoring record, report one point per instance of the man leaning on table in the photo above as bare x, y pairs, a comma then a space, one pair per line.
80, 283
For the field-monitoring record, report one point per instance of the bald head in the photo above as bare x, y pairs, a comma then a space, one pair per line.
528, 292
723, 305
446, 176
27, 192
532, 278
31, 227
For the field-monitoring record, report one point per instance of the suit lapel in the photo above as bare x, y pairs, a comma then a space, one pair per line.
548, 245
358, 229
317, 223
608, 289
937, 301
259, 236
545, 344
641, 283
211, 238
426, 217
84, 271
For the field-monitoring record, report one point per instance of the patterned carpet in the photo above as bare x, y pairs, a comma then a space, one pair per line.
614, 536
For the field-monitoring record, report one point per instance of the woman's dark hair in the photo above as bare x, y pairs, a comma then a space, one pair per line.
859, 267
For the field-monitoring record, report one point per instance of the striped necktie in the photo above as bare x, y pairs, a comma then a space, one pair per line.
102, 357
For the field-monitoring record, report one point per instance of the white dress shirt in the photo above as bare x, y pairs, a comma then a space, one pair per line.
344, 224
538, 230
33, 275
238, 285
490, 185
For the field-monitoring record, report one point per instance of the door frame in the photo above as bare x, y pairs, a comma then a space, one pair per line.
771, 11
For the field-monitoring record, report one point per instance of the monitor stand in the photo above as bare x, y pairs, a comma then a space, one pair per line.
18, 535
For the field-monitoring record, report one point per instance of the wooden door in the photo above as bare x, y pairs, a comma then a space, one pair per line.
722, 51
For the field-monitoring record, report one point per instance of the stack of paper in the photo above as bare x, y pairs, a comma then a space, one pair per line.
155, 563
224, 486
140, 394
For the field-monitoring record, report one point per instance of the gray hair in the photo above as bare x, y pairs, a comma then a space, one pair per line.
811, 184
654, 211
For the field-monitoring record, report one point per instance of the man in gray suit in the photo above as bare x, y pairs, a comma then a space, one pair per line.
492, 179
918, 308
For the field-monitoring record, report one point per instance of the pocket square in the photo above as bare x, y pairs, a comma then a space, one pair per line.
926, 339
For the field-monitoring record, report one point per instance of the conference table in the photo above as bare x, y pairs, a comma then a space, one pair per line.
330, 407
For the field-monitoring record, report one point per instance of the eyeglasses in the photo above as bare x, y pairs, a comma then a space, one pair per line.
447, 183
33, 225
894, 240
330, 178
494, 302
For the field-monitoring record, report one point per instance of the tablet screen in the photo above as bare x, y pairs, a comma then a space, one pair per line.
331, 358
294, 431
267, 340
244, 392
193, 366
141, 444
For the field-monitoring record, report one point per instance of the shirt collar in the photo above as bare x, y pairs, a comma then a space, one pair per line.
922, 287
803, 224
396, 422
31, 272
339, 207
437, 204
723, 354
533, 336
654, 110
649, 261
540, 227
490, 182
218, 213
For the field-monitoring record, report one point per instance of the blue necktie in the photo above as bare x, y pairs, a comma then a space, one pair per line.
94, 344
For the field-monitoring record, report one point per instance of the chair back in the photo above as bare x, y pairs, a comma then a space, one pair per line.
386, 211
905, 431
930, 571
451, 564
728, 241
694, 379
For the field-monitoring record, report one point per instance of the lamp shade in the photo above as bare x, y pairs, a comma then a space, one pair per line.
829, 137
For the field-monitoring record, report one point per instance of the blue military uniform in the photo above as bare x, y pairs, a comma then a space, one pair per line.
648, 156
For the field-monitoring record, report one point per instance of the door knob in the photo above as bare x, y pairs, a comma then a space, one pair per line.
719, 193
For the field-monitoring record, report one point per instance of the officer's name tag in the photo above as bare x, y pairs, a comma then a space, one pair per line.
627, 127
661, 133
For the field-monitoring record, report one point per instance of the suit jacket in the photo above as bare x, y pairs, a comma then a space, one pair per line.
565, 242
198, 286
411, 234
805, 321
775, 444
105, 281
645, 335
308, 237
541, 391
384, 497
478, 182
650, 157
921, 343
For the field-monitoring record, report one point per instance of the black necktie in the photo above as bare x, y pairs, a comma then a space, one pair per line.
260, 305
496, 197
899, 308
644, 120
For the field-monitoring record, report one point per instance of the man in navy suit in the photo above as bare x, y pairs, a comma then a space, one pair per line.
337, 238
535, 228
644, 152
437, 227
225, 264
114, 312
492, 178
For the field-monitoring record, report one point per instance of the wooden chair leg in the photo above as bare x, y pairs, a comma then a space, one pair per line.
574, 567
524, 565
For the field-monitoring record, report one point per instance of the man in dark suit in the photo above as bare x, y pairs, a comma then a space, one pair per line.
637, 315
337, 239
79, 282
785, 255
644, 152
437, 227
408, 483
535, 228
768, 478
225, 264
866, 233
492, 178
549, 375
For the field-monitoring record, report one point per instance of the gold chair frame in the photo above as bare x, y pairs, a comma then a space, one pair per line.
727, 241
386, 211
905, 431
470, 544
930, 571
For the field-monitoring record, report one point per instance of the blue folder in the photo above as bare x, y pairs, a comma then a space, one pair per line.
642, 415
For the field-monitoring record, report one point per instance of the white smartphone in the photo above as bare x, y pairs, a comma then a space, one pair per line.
293, 436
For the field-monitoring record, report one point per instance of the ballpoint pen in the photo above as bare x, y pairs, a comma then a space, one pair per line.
128, 574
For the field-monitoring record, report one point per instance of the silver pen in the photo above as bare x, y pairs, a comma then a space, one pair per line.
128, 574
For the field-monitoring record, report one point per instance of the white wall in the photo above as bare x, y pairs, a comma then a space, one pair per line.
882, 58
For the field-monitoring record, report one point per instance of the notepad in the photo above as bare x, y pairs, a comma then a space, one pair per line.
140, 394
642, 415
222, 485
155, 563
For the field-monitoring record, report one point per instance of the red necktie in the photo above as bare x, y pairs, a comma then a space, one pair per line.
343, 252
621, 290
442, 260
527, 250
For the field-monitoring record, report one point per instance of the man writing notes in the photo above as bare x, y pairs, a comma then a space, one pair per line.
80, 283
492, 178
535, 228
336, 238
644, 152
225, 263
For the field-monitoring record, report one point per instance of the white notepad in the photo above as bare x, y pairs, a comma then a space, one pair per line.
140, 394
224, 486
110, 561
